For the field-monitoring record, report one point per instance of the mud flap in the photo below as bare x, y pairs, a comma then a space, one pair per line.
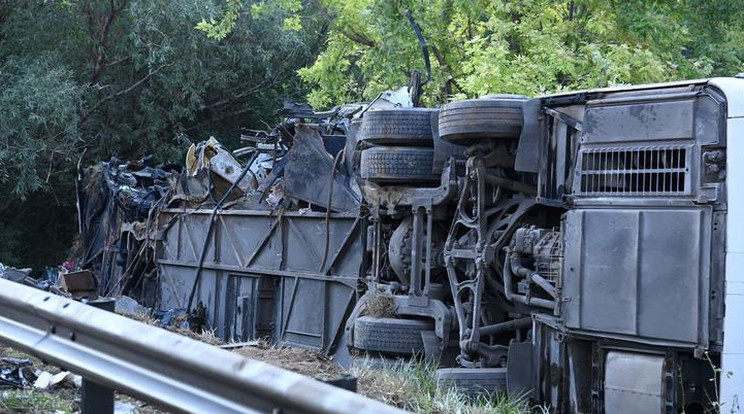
520, 374
432, 347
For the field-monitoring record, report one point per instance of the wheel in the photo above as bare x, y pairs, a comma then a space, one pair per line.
392, 336
398, 165
402, 126
472, 382
498, 117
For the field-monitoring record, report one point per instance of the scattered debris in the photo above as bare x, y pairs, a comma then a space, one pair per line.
80, 285
128, 306
236, 345
24, 276
175, 321
121, 407
46, 380
43, 379
177, 318
223, 169
13, 274
14, 373
345, 381
197, 318
116, 202
60, 393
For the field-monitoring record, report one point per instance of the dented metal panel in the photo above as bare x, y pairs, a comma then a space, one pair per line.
261, 276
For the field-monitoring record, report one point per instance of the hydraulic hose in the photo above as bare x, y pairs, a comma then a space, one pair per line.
509, 287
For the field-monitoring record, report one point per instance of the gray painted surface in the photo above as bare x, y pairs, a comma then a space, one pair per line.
639, 122
633, 383
261, 277
639, 272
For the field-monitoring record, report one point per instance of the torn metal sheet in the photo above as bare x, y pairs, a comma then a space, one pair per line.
309, 173
212, 156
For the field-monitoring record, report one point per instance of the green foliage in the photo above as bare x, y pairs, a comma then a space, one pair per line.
529, 47
38, 119
220, 30
34, 401
124, 78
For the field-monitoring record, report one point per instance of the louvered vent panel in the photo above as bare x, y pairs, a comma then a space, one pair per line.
638, 171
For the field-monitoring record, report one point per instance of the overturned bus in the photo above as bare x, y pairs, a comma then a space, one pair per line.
583, 249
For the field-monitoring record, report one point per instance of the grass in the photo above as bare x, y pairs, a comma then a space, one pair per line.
412, 386
303, 361
408, 385
37, 402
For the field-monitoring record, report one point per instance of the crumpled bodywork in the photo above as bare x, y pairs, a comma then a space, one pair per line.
116, 202
268, 227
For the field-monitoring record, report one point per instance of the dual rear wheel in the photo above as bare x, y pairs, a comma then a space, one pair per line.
402, 148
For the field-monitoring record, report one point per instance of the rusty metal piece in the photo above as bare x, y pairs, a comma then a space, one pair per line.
80, 285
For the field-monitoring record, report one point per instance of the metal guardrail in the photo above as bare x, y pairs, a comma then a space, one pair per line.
178, 373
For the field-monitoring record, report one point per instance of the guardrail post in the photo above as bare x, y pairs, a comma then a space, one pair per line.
96, 398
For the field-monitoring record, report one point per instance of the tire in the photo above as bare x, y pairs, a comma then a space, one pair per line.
391, 336
473, 382
465, 122
402, 126
398, 165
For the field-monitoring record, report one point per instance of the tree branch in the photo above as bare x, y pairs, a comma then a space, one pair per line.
443, 63
134, 86
99, 54
241, 95
358, 38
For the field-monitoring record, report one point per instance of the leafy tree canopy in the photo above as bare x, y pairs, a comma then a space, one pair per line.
125, 78
528, 46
